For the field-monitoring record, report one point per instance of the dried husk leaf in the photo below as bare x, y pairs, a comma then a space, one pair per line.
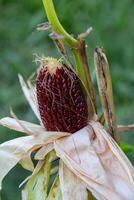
41, 153
19, 150
26, 162
91, 154
14, 151
32, 129
22, 126
71, 186
30, 93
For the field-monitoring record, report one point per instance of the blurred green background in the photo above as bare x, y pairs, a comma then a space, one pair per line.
113, 28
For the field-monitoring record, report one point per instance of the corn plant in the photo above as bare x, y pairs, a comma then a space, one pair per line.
77, 151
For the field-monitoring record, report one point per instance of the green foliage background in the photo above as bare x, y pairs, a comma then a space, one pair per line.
113, 28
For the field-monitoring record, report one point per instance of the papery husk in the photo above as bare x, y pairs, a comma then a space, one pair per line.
22, 126
32, 129
90, 154
41, 153
19, 150
71, 186
26, 162
93, 156
30, 93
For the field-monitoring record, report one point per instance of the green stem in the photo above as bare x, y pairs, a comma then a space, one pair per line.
75, 46
56, 25
80, 68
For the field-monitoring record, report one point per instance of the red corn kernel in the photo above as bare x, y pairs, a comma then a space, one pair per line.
61, 100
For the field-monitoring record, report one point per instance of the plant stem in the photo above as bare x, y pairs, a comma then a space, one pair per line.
79, 67
78, 50
82, 68
56, 25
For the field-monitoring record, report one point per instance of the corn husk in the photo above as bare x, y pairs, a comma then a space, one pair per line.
30, 93
89, 159
93, 156
17, 150
71, 186
90, 154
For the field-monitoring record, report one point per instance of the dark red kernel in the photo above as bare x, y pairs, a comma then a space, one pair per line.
61, 100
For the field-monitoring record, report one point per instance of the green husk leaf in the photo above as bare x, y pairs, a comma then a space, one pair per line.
90, 196
37, 186
55, 192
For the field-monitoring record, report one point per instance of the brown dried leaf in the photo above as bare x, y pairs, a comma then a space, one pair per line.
30, 94
71, 186
22, 126
93, 156
15, 151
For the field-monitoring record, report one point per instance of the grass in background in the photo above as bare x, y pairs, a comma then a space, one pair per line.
113, 28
